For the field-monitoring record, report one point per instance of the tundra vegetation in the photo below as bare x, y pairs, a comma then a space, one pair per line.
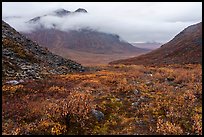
135, 99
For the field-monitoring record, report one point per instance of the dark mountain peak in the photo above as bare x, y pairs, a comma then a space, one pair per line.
61, 12
81, 10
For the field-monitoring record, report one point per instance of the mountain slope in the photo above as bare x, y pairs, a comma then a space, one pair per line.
82, 40
22, 58
184, 48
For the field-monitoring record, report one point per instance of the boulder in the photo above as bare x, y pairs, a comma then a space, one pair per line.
13, 82
97, 114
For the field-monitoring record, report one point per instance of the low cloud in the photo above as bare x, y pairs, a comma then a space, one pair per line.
133, 23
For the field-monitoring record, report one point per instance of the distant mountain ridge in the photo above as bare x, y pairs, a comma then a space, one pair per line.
184, 48
147, 45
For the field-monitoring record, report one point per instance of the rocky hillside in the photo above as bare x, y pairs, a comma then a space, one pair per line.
184, 48
25, 59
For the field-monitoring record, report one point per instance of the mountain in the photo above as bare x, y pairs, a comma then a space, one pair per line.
82, 40
81, 10
25, 59
90, 44
184, 48
147, 45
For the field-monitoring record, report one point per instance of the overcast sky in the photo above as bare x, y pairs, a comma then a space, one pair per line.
132, 21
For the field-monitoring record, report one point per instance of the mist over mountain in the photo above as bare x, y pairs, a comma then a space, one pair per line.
87, 40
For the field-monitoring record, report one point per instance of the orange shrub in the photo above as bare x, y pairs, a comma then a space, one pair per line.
168, 128
78, 106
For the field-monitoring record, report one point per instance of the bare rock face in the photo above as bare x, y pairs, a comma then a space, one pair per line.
25, 59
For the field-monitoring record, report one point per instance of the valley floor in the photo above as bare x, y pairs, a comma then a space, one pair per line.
134, 99
90, 59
